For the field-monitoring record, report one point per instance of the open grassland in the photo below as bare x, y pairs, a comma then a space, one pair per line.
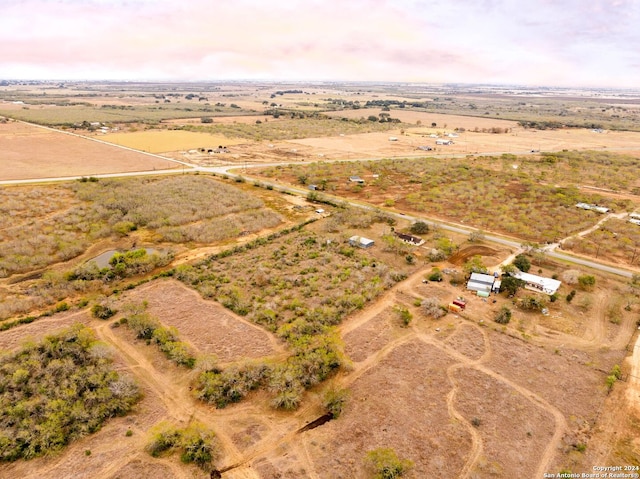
488, 193
158, 141
426, 119
32, 152
541, 111
487, 139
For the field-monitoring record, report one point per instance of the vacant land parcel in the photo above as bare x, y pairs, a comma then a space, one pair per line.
34, 152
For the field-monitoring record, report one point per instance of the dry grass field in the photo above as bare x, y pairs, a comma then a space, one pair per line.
160, 141
32, 152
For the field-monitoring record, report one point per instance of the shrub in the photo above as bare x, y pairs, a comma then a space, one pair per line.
334, 400
503, 316
435, 275
165, 439
143, 325
475, 265
405, 315
532, 303
432, 308
102, 312
586, 281
199, 446
571, 295
476, 236
570, 276
385, 464
419, 228
56, 391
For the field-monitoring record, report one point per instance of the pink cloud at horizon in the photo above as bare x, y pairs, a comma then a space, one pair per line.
542, 42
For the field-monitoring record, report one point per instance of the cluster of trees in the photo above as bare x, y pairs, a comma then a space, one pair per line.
56, 391
121, 265
196, 444
47, 224
299, 286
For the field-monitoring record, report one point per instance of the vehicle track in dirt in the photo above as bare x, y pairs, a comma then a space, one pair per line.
181, 406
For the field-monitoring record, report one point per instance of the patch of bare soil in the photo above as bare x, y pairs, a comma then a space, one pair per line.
476, 250
14, 337
503, 416
205, 324
577, 390
467, 340
399, 403
248, 431
144, 470
370, 337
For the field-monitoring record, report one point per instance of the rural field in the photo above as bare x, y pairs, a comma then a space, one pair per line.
33, 152
230, 326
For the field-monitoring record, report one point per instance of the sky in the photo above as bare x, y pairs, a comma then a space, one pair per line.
582, 43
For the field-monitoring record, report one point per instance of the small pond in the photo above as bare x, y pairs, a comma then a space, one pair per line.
102, 260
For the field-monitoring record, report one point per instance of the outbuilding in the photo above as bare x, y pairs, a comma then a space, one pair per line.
361, 242
480, 282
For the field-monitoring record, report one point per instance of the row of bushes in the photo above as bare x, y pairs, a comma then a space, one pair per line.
166, 338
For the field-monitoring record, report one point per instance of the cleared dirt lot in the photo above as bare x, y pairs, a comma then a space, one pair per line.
33, 152
399, 403
208, 326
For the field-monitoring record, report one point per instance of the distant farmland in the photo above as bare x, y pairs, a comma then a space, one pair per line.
158, 141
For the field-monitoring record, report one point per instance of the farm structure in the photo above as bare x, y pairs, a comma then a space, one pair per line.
444, 142
410, 239
538, 283
634, 218
596, 208
361, 242
356, 179
480, 282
